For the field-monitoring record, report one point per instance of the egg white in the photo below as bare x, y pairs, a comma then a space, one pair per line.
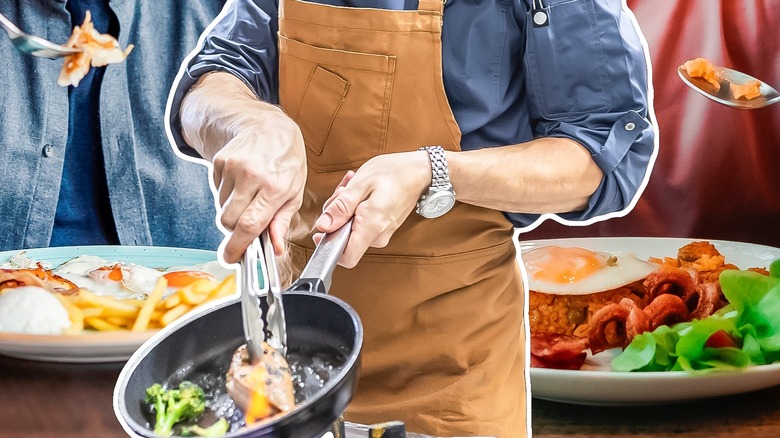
212, 267
625, 269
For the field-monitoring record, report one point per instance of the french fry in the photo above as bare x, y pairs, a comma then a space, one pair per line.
204, 286
120, 321
144, 316
172, 314
117, 307
100, 324
74, 313
227, 287
172, 301
190, 296
92, 312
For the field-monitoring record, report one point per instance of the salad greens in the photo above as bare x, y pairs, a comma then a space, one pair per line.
745, 332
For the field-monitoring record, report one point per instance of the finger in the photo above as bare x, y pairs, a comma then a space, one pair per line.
341, 209
339, 188
225, 188
249, 225
359, 240
242, 187
279, 226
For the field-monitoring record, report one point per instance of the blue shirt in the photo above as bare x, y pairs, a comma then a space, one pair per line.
156, 197
83, 210
583, 76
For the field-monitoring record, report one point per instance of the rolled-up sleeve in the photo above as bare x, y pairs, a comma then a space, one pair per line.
587, 78
241, 41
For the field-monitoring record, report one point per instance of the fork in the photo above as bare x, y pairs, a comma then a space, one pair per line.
34, 45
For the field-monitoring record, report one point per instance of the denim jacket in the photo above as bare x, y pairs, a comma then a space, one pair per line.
581, 74
156, 197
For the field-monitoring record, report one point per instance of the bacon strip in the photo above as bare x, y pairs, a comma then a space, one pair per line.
40, 277
551, 350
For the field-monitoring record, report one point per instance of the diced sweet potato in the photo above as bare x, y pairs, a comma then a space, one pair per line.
702, 68
748, 90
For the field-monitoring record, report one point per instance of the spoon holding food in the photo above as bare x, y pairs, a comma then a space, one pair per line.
727, 86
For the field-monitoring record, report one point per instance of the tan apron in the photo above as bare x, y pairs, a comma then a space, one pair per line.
442, 304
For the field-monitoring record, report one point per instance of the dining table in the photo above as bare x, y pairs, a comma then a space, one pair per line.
73, 400
748, 415
64, 400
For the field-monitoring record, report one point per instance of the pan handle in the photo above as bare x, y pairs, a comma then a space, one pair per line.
317, 275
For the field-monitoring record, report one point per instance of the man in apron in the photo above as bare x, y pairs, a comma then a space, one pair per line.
424, 132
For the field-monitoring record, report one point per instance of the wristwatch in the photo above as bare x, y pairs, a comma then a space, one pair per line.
440, 197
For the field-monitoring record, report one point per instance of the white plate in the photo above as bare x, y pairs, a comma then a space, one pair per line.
596, 385
94, 346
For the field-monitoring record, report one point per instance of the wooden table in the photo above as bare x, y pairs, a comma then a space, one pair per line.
41, 400
752, 415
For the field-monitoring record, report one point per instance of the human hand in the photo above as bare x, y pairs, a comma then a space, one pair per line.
380, 196
260, 175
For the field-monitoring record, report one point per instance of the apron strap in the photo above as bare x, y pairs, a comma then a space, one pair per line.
431, 5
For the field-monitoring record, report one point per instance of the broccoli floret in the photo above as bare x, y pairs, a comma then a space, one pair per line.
216, 430
187, 402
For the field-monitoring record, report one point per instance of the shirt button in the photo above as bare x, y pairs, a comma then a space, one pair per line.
630, 126
48, 151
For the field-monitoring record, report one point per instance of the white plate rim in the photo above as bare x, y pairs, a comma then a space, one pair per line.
92, 347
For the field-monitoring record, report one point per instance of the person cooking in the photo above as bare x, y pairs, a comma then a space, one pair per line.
437, 128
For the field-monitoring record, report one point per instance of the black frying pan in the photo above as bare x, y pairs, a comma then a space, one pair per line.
202, 344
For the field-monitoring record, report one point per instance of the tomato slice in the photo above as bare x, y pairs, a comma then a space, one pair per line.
720, 339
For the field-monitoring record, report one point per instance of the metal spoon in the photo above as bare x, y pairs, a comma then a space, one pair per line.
728, 76
33, 45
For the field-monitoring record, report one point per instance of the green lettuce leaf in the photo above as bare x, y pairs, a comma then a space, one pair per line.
752, 319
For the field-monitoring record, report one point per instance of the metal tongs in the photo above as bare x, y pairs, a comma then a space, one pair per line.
258, 326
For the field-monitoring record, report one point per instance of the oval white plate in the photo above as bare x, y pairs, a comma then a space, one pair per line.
94, 346
594, 384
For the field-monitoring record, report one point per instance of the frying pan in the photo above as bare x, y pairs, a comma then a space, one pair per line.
202, 344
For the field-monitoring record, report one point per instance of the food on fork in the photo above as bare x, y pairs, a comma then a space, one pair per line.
97, 50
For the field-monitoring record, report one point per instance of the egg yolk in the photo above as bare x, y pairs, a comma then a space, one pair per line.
114, 272
555, 264
185, 278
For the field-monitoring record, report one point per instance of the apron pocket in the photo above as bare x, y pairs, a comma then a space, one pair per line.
321, 102
340, 100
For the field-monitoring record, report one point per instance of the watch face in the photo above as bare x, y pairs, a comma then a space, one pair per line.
437, 204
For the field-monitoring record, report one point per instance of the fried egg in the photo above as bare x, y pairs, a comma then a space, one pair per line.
128, 280
104, 277
579, 271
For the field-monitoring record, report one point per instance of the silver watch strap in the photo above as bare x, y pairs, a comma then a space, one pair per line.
440, 172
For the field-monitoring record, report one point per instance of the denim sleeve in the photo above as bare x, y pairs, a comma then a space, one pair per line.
587, 80
242, 41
